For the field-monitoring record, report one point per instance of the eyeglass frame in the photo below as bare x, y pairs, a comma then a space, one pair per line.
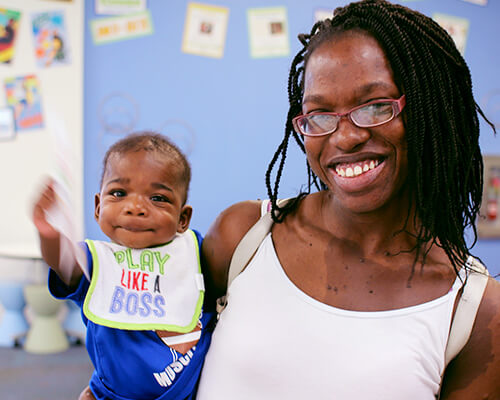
397, 108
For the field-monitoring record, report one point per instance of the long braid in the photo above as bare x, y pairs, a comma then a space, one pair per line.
442, 120
295, 101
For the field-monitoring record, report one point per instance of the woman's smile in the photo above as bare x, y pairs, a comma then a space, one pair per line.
350, 170
358, 176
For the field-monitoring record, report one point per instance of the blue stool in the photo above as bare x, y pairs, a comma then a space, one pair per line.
13, 325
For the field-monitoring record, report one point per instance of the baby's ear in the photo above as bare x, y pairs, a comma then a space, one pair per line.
184, 218
97, 206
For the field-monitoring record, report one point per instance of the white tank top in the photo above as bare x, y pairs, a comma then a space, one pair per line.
275, 342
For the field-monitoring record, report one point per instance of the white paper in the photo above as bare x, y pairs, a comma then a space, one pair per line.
322, 13
268, 32
205, 30
457, 28
7, 129
112, 29
119, 7
62, 215
478, 2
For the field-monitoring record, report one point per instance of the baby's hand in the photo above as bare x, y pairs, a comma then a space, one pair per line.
46, 200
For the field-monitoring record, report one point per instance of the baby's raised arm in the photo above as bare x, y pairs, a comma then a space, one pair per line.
50, 238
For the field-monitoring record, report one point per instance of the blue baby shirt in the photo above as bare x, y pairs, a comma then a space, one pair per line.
137, 364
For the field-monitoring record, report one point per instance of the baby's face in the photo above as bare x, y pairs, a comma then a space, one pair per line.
141, 200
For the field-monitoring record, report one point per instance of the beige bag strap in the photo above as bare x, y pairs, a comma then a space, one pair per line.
465, 313
247, 247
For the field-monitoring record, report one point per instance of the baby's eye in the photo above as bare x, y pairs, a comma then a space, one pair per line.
159, 198
118, 193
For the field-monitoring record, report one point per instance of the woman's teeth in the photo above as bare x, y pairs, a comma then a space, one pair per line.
356, 169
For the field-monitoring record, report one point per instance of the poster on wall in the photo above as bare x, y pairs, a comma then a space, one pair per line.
488, 225
457, 27
23, 95
205, 30
107, 30
9, 21
7, 128
268, 32
50, 37
119, 7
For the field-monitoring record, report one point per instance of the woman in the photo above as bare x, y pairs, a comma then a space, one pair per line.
352, 294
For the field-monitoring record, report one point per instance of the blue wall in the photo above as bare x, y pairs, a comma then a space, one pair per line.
229, 113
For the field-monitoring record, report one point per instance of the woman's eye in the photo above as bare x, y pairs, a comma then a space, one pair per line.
118, 193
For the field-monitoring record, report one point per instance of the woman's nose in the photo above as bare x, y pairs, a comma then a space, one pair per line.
348, 137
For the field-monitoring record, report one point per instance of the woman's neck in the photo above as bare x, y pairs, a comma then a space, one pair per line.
392, 228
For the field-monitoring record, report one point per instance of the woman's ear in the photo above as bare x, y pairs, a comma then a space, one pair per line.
184, 218
97, 206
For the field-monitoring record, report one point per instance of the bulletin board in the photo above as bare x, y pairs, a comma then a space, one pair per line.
212, 75
41, 86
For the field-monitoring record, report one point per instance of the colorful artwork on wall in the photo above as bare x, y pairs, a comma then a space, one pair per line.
51, 40
9, 21
23, 95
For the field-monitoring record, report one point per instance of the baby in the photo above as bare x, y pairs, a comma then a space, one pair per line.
146, 333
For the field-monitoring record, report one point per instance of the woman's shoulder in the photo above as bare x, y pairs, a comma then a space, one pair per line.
476, 368
223, 237
233, 222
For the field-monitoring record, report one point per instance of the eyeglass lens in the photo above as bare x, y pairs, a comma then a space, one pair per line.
367, 116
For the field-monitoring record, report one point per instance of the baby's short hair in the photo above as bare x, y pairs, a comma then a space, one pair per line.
154, 142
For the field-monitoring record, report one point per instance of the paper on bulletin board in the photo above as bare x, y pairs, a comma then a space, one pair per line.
112, 29
9, 22
268, 32
7, 127
457, 28
51, 39
23, 95
205, 30
478, 2
119, 7
321, 14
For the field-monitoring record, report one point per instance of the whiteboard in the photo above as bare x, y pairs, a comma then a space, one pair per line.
30, 156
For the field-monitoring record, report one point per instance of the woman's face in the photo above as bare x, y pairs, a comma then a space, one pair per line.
343, 73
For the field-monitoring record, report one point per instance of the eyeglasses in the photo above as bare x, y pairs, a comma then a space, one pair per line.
369, 115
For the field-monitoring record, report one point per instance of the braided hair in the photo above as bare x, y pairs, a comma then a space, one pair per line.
442, 125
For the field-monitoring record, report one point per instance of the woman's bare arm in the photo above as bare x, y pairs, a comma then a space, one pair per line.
221, 241
475, 373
